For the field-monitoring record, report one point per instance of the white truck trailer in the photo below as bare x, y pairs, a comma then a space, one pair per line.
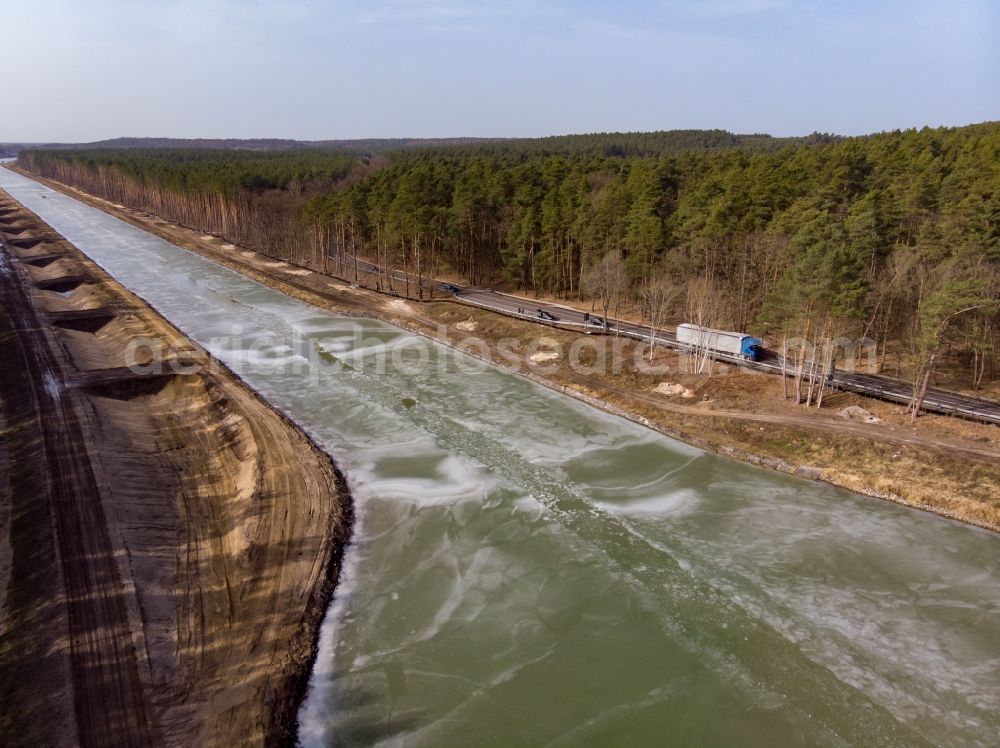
720, 341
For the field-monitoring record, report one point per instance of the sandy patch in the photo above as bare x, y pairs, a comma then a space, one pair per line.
857, 413
349, 288
467, 325
299, 271
399, 305
672, 389
542, 356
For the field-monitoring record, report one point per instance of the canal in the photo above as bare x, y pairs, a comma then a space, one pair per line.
529, 571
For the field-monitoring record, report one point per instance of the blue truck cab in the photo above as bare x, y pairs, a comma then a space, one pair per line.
751, 347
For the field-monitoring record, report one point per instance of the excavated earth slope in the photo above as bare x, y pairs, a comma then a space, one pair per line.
168, 542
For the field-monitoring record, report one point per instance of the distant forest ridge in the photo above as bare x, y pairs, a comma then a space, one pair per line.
268, 144
639, 143
608, 143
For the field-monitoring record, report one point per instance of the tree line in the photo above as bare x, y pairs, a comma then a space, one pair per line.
893, 237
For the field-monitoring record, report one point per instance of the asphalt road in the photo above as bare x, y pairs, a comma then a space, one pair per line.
882, 388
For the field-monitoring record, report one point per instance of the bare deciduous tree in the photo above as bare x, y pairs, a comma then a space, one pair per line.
606, 282
657, 298
704, 307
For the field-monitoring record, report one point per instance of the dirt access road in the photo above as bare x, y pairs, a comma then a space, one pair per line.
168, 542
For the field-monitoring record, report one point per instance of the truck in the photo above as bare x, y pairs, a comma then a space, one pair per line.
720, 341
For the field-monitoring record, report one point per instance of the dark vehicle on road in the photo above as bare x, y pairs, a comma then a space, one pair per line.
450, 288
542, 314
597, 321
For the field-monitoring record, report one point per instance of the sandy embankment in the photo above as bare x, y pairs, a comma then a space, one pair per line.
168, 542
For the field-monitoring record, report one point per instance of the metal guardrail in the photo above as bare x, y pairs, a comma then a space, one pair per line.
887, 389
883, 388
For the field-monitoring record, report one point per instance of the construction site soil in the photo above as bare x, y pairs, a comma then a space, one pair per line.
168, 542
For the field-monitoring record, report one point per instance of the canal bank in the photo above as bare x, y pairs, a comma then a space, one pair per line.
168, 542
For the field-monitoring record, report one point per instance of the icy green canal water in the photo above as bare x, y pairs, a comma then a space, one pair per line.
528, 571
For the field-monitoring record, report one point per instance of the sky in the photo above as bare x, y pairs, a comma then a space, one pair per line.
85, 70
